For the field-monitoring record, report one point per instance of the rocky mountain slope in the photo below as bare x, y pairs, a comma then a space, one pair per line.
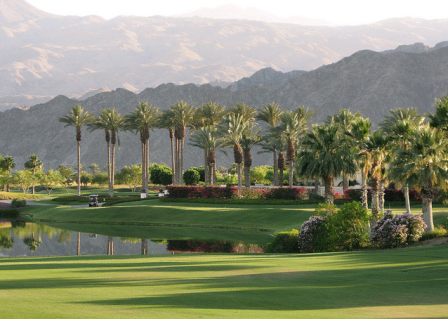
43, 55
367, 81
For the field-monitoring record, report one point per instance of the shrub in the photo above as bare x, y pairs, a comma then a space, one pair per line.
286, 193
313, 195
191, 176
308, 238
284, 242
438, 231
16, 203
201, 192
9, 213
397, 231
161, 174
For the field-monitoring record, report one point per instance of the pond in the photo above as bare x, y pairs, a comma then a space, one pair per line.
19, 238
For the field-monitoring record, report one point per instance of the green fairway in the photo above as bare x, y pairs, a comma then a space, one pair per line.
401, 283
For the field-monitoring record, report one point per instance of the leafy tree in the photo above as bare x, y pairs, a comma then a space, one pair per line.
423, 164
77, 118
161, 174
130, 176
86, 178
25, 179
191, 176
51, 179
67, 174
100, 179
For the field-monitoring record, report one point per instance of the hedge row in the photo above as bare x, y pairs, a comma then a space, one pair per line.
9, 213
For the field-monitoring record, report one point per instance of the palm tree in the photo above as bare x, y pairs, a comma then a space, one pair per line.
77, 118
245, 111
142, 119
95, 168
33, 163
325, 155
207, 139
166, 120
109, 121
400, 126
292, 127
376, 150
209, 114
271, 114
423, 164
249, 139
232, 129
359, 134
8, 164
343, 119
183, 116
440, 117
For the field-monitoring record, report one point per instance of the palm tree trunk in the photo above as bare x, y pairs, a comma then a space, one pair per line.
246, 176
177, 161
32, 189
79, 168
275, 182
110, 245
407, 200
291, 173
112, 173
364, 201
181, 175
280, 177
427, 213
78, 247
240, 176
143, 168
207, 169
345, 182
381, 197
147, 165
329, 194
375, 201
173, 164
108, 166
144, 249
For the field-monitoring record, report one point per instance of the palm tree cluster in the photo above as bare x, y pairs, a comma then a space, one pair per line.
406, 149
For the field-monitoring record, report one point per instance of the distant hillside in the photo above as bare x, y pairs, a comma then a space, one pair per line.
43, 55
370, 82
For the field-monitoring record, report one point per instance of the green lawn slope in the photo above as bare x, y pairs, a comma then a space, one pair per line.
400, 283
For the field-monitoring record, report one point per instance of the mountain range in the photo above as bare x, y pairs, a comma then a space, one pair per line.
368, 81
44, 55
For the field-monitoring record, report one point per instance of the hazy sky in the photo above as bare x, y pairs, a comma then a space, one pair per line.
348, 12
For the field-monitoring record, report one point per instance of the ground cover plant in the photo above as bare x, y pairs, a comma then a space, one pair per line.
405, 283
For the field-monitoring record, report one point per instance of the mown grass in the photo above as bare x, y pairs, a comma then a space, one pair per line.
403, 283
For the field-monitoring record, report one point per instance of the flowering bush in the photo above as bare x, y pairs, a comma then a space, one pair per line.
286, 193
308, 238
338, 195
201, 192
249, 193
397, 231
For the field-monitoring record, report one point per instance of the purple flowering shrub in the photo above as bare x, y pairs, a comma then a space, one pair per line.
309, 234
397, 231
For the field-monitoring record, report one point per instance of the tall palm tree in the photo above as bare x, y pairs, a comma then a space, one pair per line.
359, 134
209, 114
325, 155
232, 129
246, 111
33, 163
271, 114
207, 139
77, 118
249, 139
143, 119
166, 120
292, 127
440, 117
376, 150
343, 119
110, 121
8, 164
400, 126
423, 164
183, 116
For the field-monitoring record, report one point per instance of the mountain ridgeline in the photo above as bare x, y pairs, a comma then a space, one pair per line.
370, 82
43, 55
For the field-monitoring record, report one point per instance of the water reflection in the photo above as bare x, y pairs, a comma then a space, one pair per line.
31, 239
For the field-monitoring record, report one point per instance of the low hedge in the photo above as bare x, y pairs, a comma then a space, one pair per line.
238, 201
9, 213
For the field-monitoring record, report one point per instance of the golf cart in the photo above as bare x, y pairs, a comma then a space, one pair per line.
93, 201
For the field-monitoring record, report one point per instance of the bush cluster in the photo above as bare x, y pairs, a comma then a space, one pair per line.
286, 193
391, 195
397, 231
9, 213
284, 242
201, 192
17, 203
200, 246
